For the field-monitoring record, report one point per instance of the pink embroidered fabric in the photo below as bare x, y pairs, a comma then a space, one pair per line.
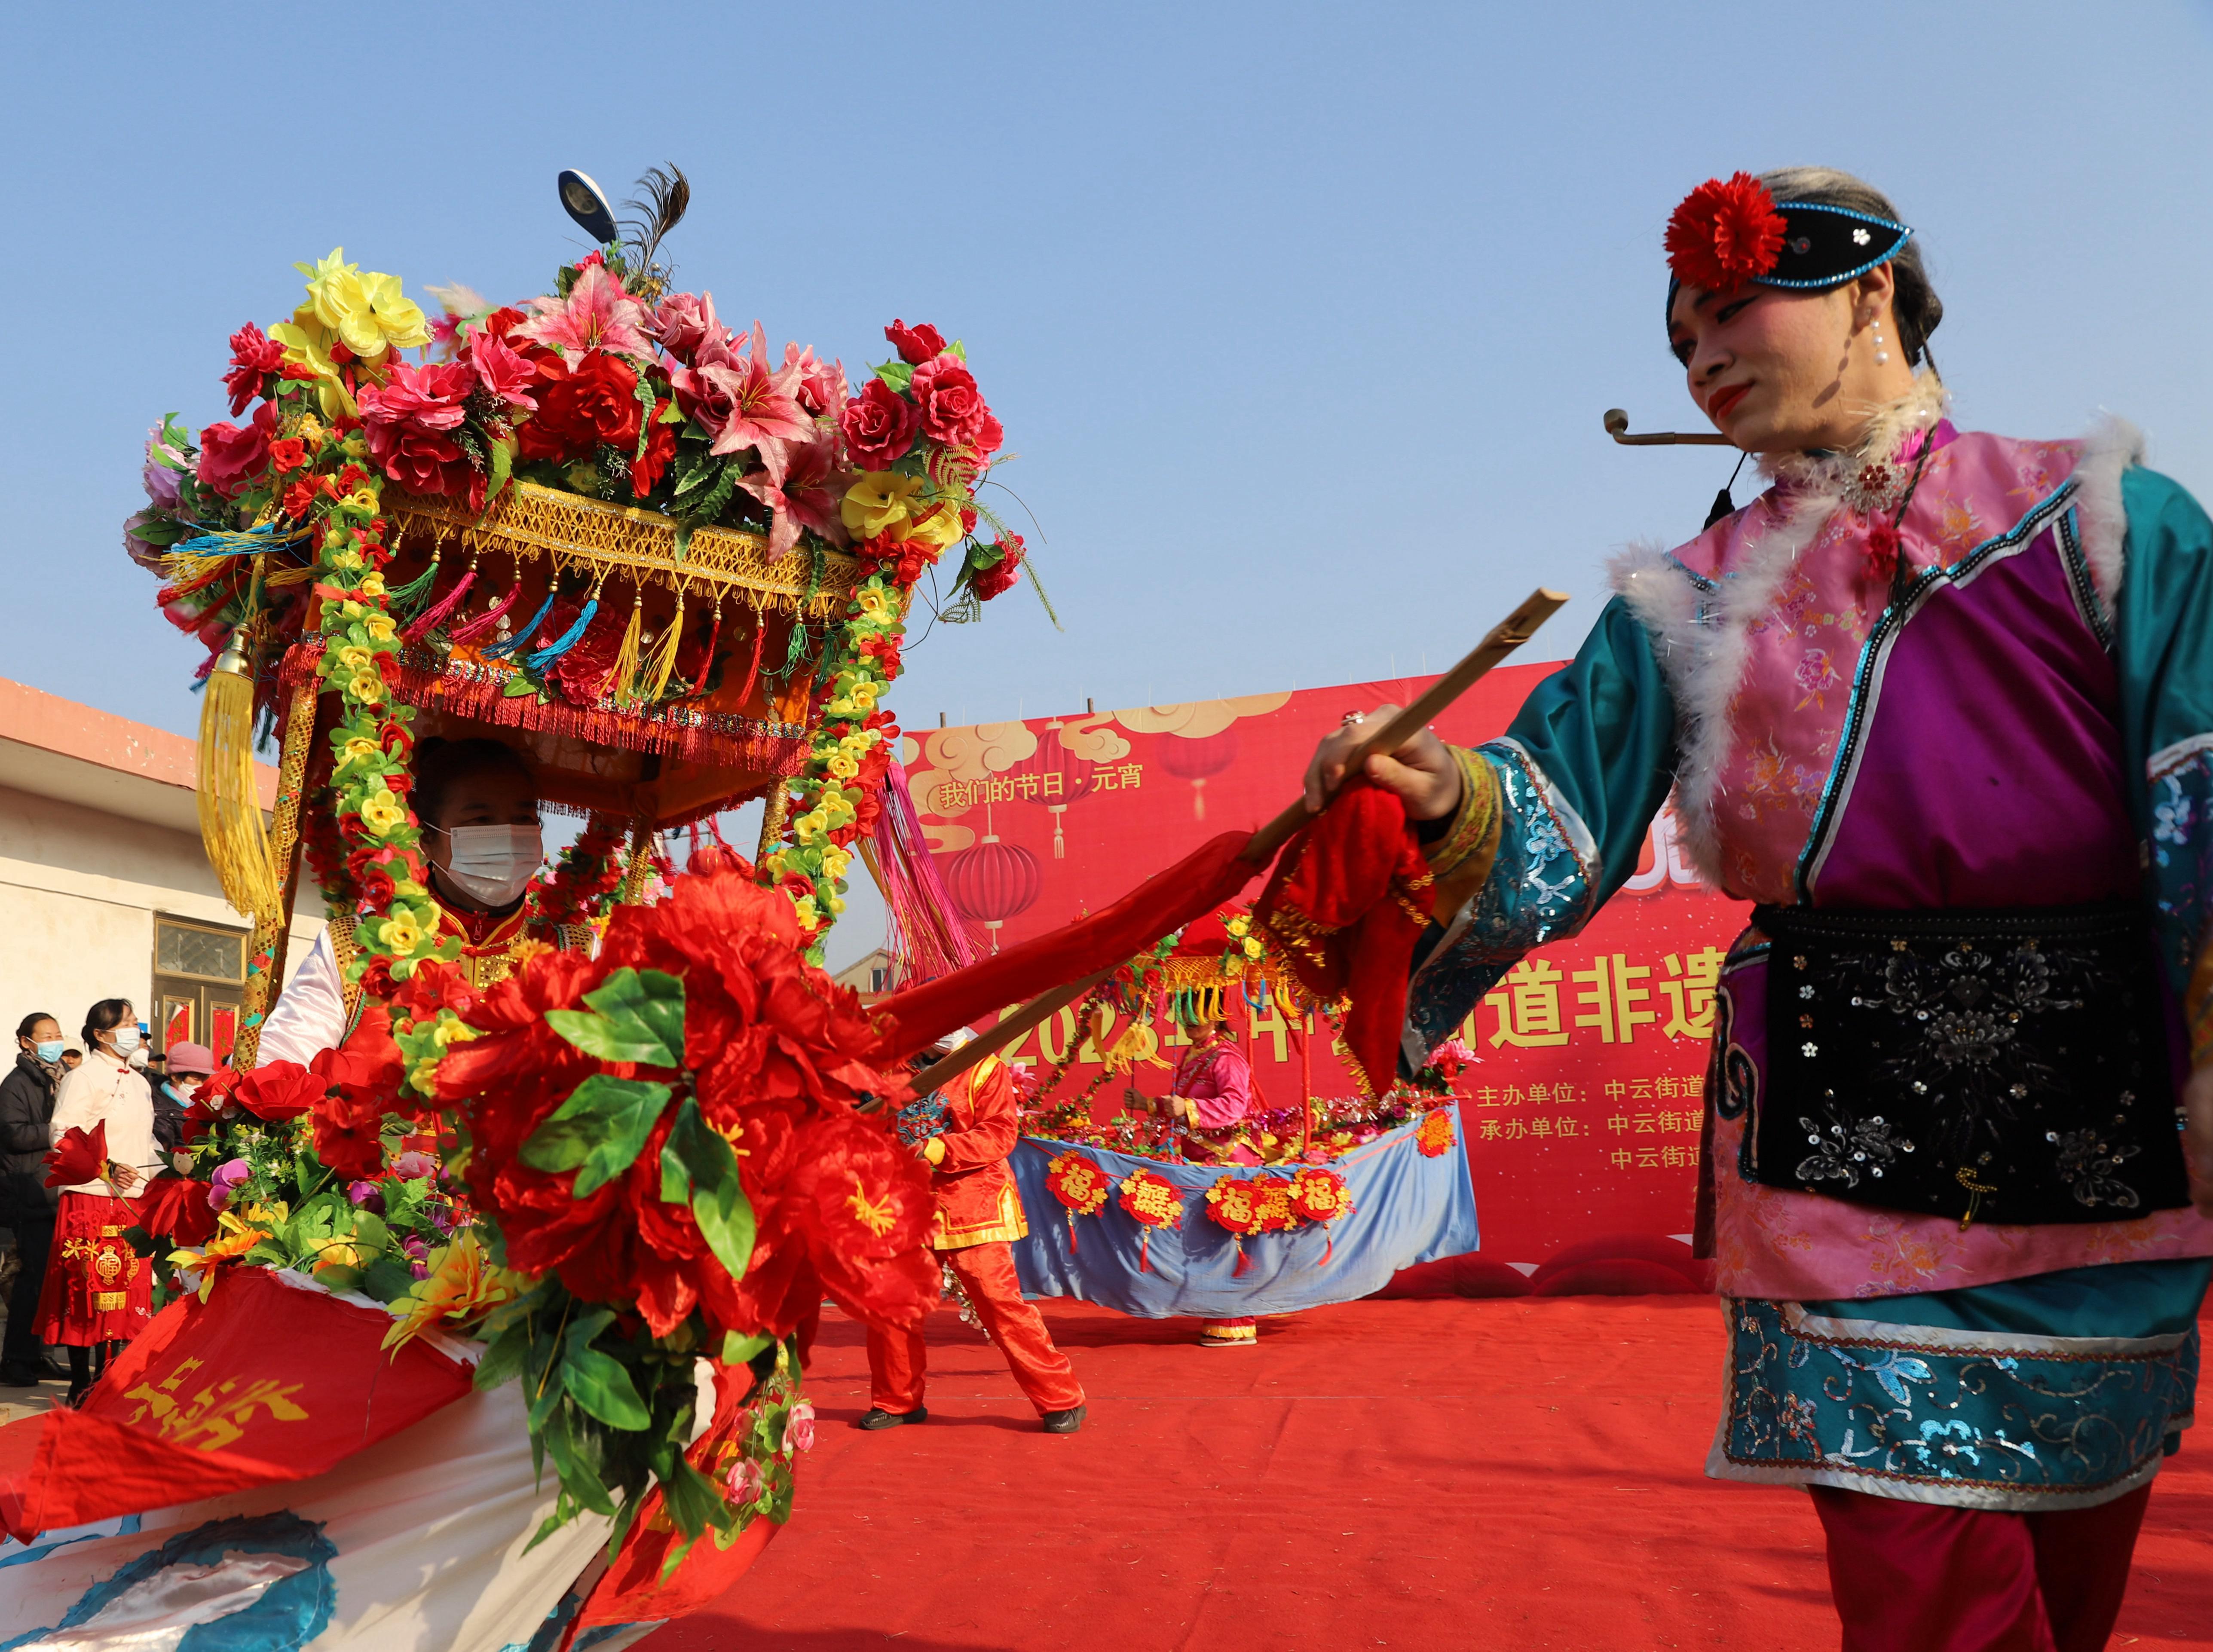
1800, 653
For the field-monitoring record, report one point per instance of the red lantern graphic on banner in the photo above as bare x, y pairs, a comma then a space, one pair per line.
1065, 777
993, 881
1196, 759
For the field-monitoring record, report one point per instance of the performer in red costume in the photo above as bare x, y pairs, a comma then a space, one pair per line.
965, 1137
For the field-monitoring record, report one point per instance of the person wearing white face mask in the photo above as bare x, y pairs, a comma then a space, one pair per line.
98, 1291
478, 805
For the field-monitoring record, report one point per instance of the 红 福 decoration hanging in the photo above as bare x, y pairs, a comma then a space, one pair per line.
1076, 1179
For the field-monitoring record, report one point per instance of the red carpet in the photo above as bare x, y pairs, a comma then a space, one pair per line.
1521, 1474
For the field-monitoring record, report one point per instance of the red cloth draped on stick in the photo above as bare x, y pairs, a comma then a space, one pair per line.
1350, 898
1190, 888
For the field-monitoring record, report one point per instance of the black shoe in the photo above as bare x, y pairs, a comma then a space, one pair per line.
19, 1376
77, 1395
1063, 1422
877, 1417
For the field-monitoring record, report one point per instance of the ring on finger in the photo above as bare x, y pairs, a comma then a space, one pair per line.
1353, 719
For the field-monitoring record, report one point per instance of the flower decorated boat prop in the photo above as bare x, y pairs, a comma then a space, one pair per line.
1304, 1203
573, 1202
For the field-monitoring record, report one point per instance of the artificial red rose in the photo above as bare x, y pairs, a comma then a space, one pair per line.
434, 986
253, 356
349, 479
289, 455
232, 457
501, 321
879, 425
283, 1089
78, 1157
411, 420
1722, 234
951, 408
988, 583
578, 410
645, 473
917, 343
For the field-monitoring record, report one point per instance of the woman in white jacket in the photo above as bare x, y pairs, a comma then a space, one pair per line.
98, 1293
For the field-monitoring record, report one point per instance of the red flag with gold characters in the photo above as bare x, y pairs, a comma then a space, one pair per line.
267, 1381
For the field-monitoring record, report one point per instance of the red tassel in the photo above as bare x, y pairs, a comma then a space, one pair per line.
1144, 1261
1882, 551
1072, 1246
476, 629
1244, 1262
752, 671
421, 625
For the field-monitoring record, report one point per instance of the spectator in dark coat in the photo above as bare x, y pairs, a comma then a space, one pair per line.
27, 1204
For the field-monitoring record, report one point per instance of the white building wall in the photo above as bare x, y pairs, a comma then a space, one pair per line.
78, 891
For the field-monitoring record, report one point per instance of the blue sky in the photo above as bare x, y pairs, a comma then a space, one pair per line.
1301, 318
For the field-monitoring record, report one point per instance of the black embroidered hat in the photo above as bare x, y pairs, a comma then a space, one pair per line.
1726, 233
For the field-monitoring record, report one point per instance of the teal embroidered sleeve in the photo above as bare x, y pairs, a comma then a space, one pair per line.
1583, 769
2164, 642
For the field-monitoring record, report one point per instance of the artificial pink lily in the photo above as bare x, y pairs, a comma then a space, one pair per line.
762, 413
597, 314
821, 384
806, 495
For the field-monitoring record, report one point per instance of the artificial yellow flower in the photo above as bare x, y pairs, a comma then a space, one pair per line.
842, 766
369, 313
368, 688
355, 658
336, 1254
864, 694
463, 1286
1251, 946
358, 750
379, 627
941, 528
307, 355
811, 827
835, 810
351, 610
381, 812
362, 502
372, 584
424, 1076
808, 917
835, 861
872, 602
347, 559
451, 1029
881, 503
401, 934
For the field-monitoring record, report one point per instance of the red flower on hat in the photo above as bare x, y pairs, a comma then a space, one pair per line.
1724, 233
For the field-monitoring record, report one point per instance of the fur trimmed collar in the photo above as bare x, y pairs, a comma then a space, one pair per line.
1891, 422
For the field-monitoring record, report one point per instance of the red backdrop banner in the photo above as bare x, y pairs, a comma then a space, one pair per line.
1583, 1117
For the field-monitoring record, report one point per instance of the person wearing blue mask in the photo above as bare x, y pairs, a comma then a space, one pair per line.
98, 1293
27, 1204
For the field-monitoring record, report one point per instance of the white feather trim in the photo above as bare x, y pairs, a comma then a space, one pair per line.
1701, 642
2110, 449
1888, 425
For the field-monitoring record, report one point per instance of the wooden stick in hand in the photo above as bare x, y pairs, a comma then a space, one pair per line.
1509, 634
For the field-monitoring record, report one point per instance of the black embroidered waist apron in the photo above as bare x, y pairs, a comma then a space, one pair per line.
2002, 1065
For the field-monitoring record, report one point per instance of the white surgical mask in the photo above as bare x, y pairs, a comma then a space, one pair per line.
492, 863
125, 1039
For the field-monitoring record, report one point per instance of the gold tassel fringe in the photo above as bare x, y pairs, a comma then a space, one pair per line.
231, 827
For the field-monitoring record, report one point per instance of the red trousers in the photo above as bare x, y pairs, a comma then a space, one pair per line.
899, 1362
1916, 1577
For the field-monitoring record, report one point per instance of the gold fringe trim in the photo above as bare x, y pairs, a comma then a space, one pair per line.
576, 533
231, 827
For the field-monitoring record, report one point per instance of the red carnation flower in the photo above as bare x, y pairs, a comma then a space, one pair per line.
916, 344
1724, 233
253, 356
